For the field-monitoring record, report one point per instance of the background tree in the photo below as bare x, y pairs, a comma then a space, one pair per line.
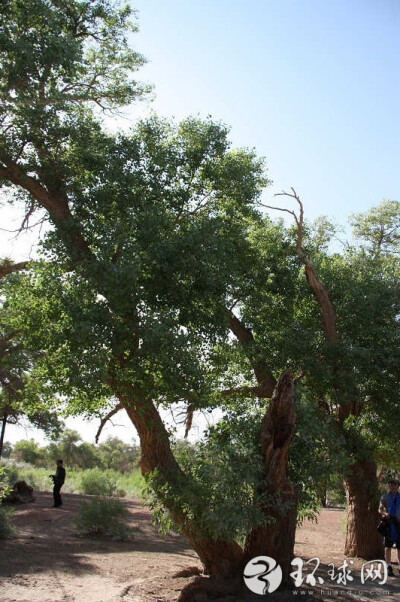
16, 362
29, 451
379, 228
353, 371
117, 455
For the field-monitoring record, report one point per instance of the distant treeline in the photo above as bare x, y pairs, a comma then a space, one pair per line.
112, 454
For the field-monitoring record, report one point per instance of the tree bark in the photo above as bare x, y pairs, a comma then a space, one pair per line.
362, 538
3, 430
7, 267
276, 539
219, 557
265, 379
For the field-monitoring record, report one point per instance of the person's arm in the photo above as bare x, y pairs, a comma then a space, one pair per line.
382, 507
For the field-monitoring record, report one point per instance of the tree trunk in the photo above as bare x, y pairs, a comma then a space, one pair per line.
362, 538
3, 430
219, 557
276, 539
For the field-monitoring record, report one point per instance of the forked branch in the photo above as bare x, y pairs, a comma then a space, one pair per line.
104, 420
320, 293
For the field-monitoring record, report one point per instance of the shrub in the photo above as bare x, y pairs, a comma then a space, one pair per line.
101, 517
6, 528
4, 487
9, 473
95, 481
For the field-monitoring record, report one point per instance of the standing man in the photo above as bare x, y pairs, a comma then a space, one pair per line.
390, 508
58, 480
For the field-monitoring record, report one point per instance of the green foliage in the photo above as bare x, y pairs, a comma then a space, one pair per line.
16, 362
227, 496
132, 483
74, 453
227, 492
102, 517
168, 292
6, 528
7, 450
117, 455
4, 482
27, 451
228, 468
129, 484
318, 455
153, 235
58, 56
99, 482
379, 227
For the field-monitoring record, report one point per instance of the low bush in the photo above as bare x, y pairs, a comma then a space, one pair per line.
6, 528
102, 516
95, 481
9, 473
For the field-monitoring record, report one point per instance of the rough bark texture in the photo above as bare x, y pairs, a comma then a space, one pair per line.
362, 538
3, 430
276, 539
7, 267
219, 557
324, 302
265, 379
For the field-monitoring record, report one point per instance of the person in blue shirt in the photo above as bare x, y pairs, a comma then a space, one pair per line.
390, 508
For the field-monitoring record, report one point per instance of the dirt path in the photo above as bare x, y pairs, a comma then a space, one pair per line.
46, 562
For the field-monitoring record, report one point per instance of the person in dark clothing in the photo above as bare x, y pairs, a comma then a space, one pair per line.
58, 480
389, 507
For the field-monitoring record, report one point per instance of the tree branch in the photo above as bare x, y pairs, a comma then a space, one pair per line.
189, 419
320, 293
104, 420
55, 202
7, 267
265, 378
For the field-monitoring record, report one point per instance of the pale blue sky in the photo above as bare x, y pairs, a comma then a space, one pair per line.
313, 85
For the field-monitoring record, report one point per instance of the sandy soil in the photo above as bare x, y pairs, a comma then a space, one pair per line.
46, 561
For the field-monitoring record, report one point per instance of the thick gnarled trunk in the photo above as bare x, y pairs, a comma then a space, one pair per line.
276, 539
219, 557
225, 557
362, 538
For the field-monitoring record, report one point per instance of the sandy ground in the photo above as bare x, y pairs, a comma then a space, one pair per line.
46, 561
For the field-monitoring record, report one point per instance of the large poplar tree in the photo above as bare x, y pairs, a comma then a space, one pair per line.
160, 283
142, 258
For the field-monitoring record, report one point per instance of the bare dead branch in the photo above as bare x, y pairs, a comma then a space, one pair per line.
104, 420
24, 225
278, 209
320, 293
189, 419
